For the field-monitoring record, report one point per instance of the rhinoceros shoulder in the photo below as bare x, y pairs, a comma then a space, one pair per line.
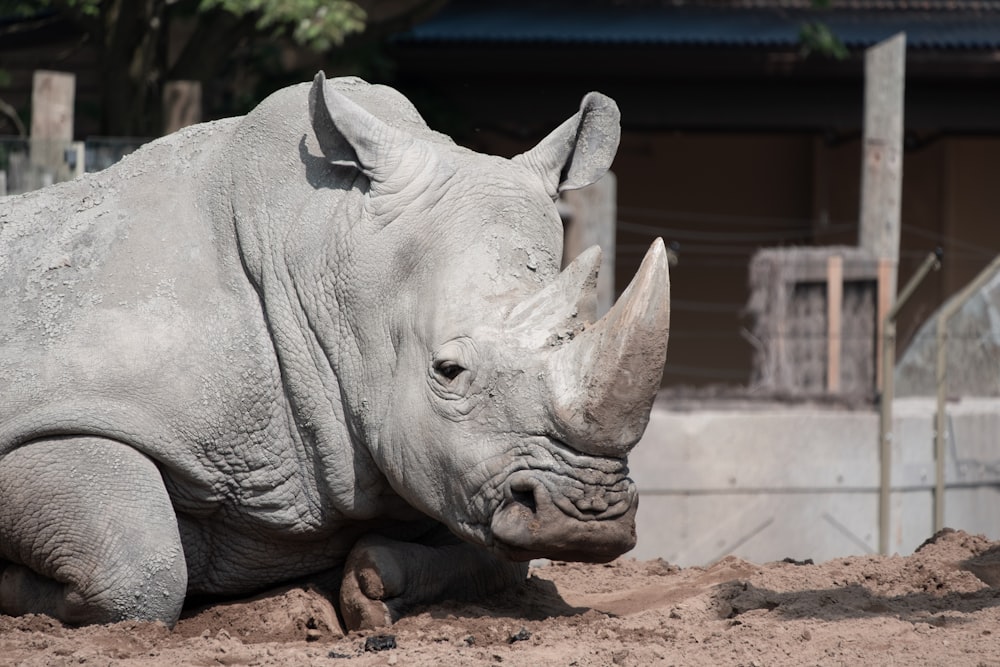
175, 151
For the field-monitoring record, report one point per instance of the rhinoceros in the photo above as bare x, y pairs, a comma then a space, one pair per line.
318, 340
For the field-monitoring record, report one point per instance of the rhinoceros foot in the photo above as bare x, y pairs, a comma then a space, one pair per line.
383, 578
372, 578
547, 516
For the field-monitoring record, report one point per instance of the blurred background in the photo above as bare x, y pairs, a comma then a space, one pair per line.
800, 177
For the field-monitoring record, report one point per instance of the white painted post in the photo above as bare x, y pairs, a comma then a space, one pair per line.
882, 159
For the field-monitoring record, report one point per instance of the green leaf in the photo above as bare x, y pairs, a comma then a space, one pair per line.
315, 24
86, 7
816, 37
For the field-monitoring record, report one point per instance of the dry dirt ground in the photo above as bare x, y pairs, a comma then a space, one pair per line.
935, 607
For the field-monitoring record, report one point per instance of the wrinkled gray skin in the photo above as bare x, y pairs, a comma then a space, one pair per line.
317, 339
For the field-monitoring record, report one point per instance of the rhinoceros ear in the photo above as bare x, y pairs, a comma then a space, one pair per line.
350, 136
580, 151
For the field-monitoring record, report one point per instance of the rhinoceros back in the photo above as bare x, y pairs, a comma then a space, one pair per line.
115, 289
134, 313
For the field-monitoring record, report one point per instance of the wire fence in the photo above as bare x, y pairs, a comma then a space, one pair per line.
733, 248
705, 242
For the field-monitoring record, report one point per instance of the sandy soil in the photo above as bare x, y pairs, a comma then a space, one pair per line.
929, 608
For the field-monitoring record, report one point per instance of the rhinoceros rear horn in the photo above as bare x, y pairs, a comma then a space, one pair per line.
605, 380
571, 296
351, 136
580, 151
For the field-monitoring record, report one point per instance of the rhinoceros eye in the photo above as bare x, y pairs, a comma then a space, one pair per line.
453, 368
449, 370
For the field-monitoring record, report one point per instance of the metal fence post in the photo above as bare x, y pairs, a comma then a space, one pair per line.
932, 262
941, 373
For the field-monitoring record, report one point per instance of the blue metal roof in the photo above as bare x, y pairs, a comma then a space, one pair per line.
559, 23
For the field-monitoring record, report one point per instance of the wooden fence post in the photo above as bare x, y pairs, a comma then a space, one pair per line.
181, 105
52, 98
834, 327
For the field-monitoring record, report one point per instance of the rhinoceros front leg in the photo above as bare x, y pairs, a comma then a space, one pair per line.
88, 534
383, 578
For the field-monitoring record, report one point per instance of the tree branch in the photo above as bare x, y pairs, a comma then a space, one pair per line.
9, 111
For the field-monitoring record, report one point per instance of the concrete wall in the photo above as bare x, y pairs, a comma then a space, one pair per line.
767, 482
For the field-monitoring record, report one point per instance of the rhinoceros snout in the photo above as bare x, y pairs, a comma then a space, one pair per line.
531, 524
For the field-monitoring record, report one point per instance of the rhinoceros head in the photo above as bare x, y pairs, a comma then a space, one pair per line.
485, 391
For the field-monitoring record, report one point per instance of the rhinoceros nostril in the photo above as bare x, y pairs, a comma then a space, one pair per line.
526, 498
521, 491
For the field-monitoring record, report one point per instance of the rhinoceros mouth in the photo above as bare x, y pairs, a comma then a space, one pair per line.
547, 515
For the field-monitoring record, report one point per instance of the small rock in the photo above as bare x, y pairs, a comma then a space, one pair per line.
520, 636
312, 634
792, 561
380, 643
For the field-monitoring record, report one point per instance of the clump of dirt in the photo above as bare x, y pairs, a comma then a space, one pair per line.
294, 613
936, 606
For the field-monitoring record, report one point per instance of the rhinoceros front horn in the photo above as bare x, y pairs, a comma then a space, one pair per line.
605, 380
